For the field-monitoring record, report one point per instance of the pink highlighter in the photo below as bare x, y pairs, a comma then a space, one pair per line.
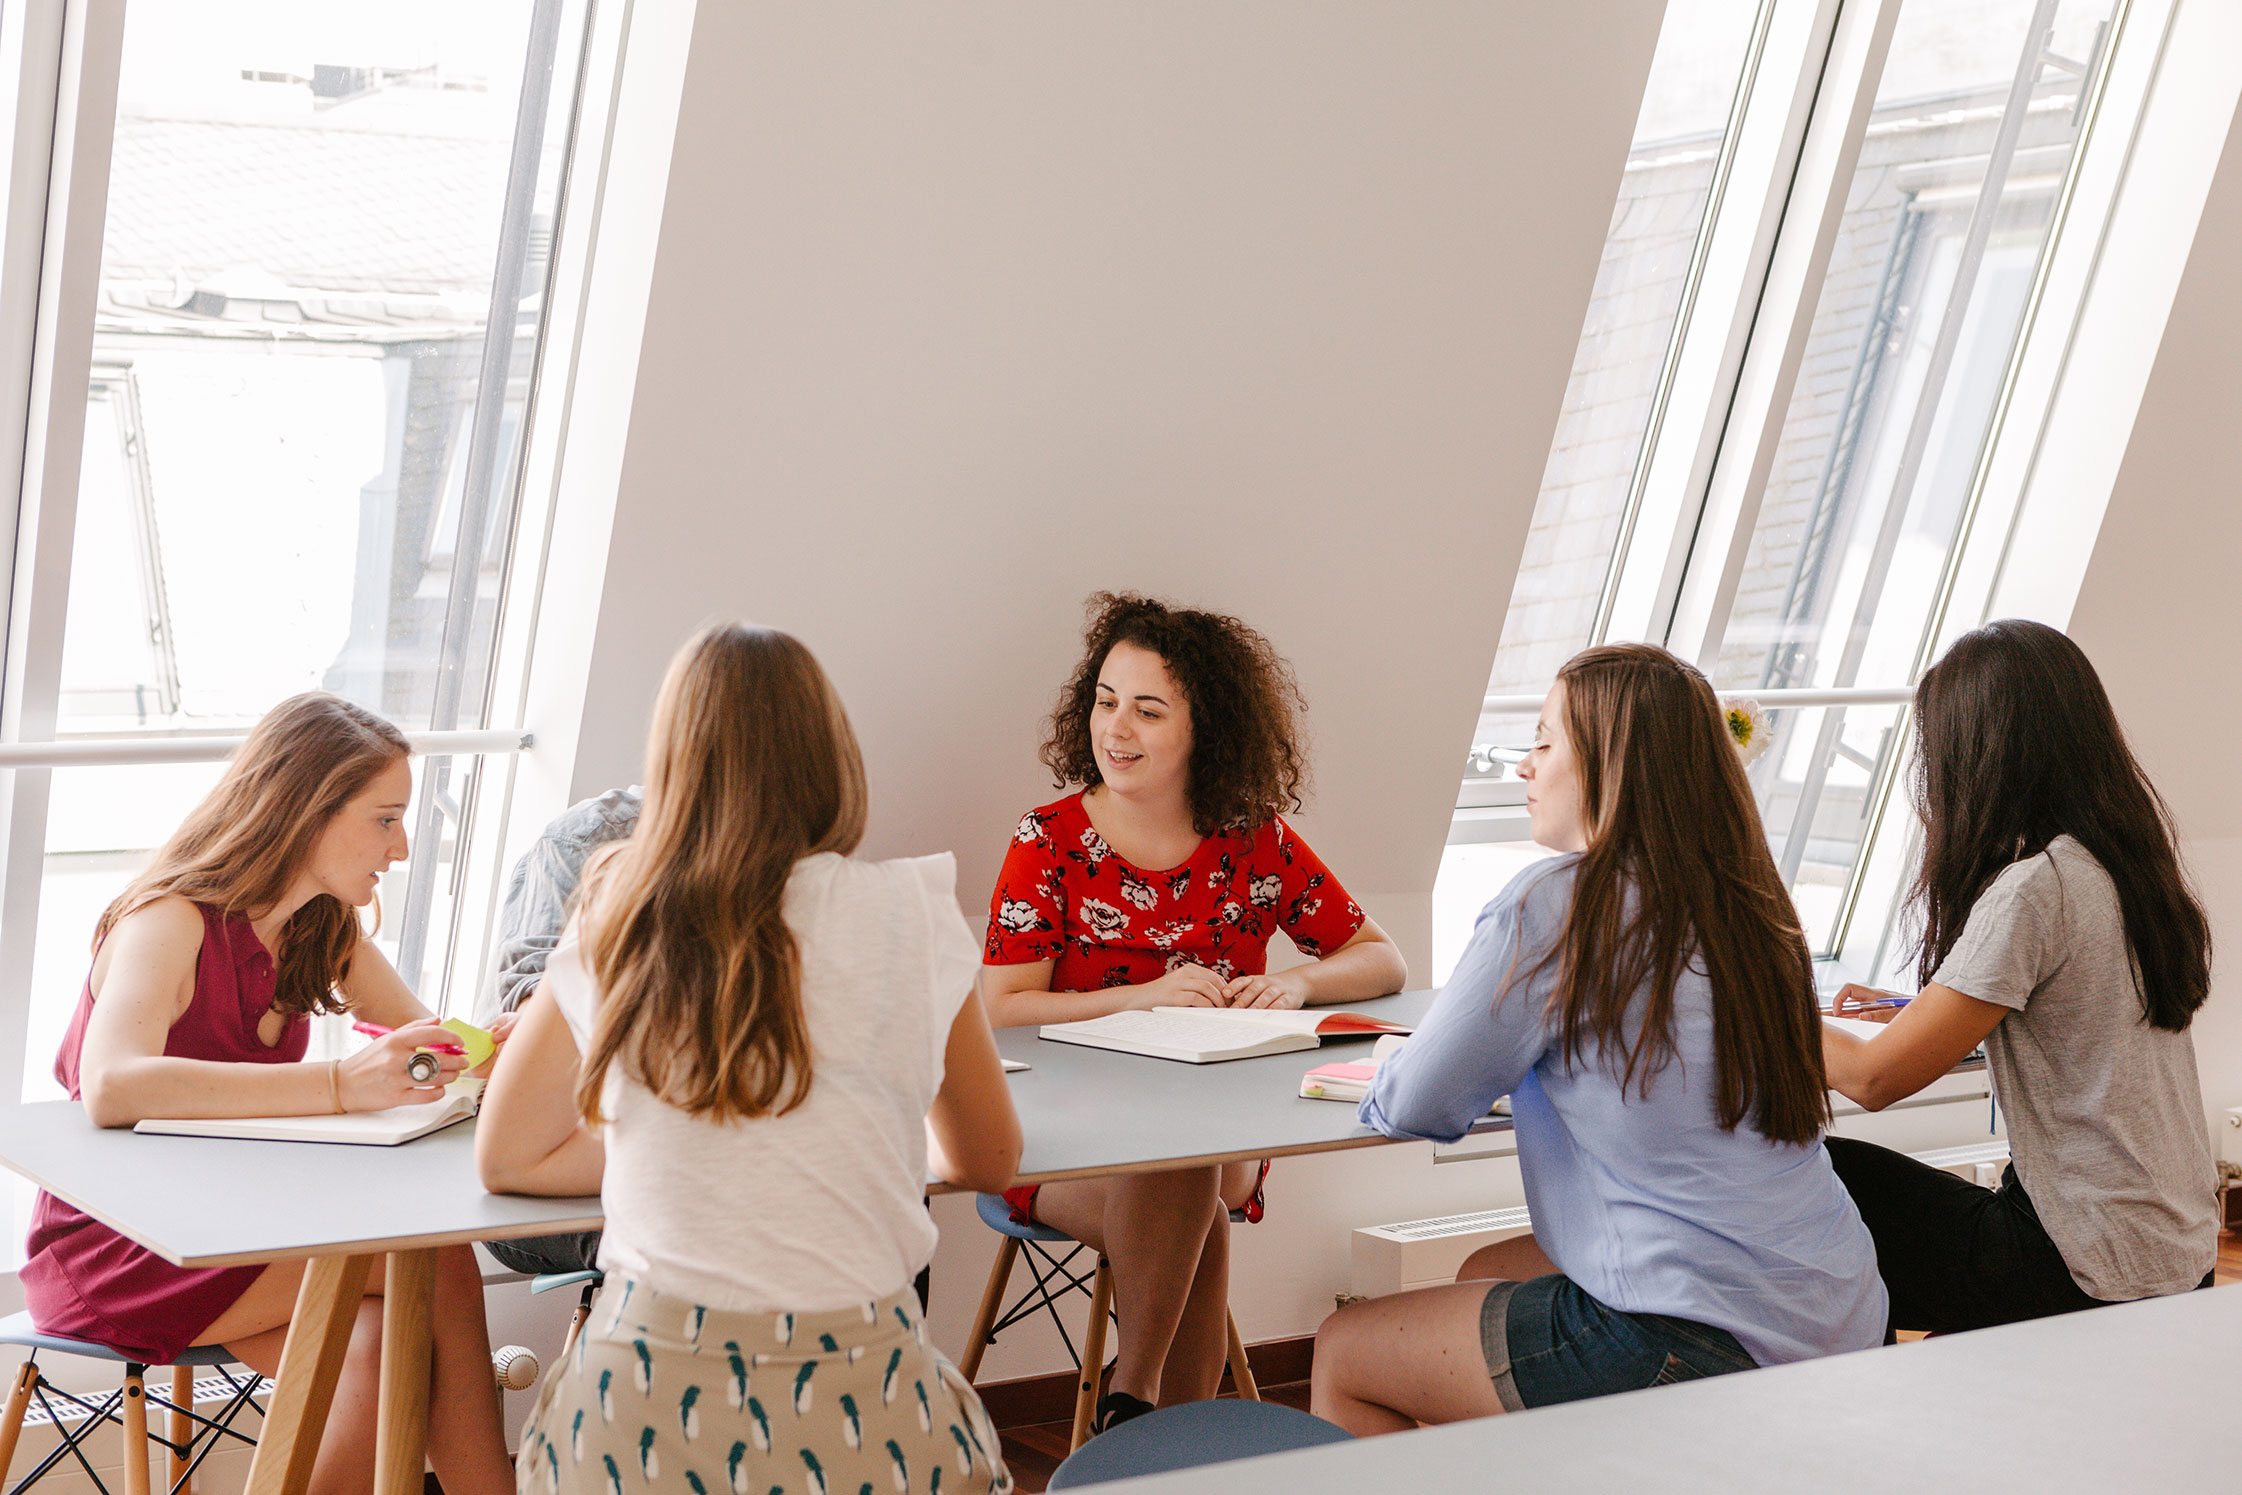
422, 1067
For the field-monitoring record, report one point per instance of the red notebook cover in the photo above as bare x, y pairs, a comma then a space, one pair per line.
1355, 1022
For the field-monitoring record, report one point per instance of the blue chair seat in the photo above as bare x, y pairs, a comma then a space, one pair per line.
997, 1215
17, 1328
545, 1282
1190, 1435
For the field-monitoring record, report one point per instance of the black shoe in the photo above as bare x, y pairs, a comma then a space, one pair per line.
1115, 1408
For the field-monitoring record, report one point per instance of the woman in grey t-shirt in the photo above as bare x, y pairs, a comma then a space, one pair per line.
2060, 931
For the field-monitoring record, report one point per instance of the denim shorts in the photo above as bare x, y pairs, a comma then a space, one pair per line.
1547, 1341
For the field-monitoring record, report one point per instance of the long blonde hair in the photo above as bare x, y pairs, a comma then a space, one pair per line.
243, 847
751, 765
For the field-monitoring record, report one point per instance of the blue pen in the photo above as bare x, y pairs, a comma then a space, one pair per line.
1879, 1002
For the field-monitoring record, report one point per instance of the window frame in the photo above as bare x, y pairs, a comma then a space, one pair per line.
1803, 112
66, 76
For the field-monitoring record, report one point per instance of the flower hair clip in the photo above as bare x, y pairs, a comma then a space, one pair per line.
1747, 727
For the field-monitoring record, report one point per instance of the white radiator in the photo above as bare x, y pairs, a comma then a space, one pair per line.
1425, 1253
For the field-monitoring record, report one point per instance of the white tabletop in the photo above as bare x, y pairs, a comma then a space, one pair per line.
203, 1201
2137, 1397
216, 1202
1089, 1111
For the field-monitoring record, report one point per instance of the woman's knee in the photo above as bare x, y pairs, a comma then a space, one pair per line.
1338, 1342
1178, 1192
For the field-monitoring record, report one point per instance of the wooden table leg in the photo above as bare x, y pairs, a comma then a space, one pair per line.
407, 1317
318, 1339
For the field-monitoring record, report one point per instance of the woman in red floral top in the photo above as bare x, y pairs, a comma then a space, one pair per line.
1160, 884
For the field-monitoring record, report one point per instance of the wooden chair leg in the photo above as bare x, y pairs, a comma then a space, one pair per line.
182, 1429
992, 1298
11, 1422
1093, 1355
1241, 1369
136, 1433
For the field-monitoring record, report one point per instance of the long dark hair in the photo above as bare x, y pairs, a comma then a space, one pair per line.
2016, 744
243, 847
1247, 764
751, 765
1677, 870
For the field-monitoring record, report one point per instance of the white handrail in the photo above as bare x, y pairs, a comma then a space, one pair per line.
104, 752
1844, 695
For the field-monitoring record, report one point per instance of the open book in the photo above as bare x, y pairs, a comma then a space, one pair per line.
1859, 1027
360, 1128
1209, 1035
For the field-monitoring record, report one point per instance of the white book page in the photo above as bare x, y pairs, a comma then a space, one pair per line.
1290, 1020
1185, 1035
1860, 1028
1180, 1027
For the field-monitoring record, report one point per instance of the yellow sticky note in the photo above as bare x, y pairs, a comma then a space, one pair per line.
479, 1044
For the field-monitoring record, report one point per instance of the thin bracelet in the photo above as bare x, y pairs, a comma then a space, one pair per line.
335, 1084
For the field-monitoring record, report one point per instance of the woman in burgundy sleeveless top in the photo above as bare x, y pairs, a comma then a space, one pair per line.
206, 972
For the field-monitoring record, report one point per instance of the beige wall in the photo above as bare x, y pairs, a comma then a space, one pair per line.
2160, 612
960, 313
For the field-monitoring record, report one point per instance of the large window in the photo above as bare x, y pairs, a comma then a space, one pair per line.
1814, 531
1652, 267
1945, 223
1651, 263
315, 333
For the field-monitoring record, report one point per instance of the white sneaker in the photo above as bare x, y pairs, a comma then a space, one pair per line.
515, 1367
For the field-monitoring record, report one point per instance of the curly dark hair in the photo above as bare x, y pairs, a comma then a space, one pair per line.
1247, 763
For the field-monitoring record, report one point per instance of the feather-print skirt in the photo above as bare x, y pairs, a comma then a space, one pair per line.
659, 1393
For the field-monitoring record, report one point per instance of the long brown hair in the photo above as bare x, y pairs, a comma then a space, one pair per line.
1677, 872
2016, 744
1247, 763
243, 847
751, 765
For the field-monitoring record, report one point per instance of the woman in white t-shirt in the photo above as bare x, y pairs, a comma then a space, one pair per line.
2059, 930
744, 1042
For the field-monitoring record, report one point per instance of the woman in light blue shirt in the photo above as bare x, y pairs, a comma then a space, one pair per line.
1646, 1000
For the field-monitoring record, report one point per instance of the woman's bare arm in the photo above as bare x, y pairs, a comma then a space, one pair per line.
973, 1133
1020, 996
530, 1138
376, 993
1931, 1034
1368, 965
143, 983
